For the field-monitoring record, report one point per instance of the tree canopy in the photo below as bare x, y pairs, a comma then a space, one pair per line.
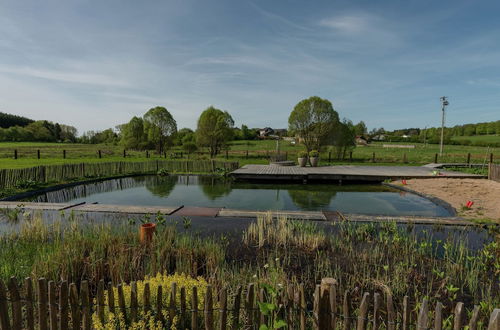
313, 120
214, 130
159, 126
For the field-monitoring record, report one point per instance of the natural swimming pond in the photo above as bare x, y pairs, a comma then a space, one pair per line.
210, 191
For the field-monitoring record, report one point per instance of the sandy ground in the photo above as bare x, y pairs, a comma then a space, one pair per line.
484, 193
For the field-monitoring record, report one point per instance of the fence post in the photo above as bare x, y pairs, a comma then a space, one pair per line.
363, 312
329, 156
423, 316
458, 317
491, 158
435, 158
15, 301
249, 303
42, 304
350, 156
346, 311
52, 305
85, 303
405, 159
376, 310
133, 301
474, 318
30, 320
373, 157
124, 153
159, 303
64, 154
468, 158
63, 306
100, 300
38, 153
100, 155
194, 309
171, 307
391, 314
15, 153
223, 309
209, 314
406, 314
4, 312
325, 312
74, 306
236, 309
494, 323
246, 156
438, 316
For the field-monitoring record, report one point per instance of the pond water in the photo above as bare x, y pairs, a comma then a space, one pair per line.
210, 191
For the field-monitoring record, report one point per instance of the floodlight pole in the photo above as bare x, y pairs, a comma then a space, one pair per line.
444, 103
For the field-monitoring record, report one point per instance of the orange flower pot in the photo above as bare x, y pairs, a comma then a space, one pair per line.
146, 232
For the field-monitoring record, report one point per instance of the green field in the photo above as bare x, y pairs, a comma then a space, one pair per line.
245, 152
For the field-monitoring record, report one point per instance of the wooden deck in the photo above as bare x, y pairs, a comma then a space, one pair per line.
331, 216
343, 173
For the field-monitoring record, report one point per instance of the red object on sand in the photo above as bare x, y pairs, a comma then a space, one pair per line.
403, 181
469, 204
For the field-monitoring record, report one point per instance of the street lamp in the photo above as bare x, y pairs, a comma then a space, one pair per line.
444, 103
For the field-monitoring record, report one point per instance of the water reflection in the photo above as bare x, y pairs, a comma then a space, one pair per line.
211, 191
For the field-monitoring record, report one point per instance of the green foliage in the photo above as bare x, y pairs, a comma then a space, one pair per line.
7, 120
159, 126
302, 154
189, 147
314, 153
162, 172
214, 130
344, 138
133, 135
313, 120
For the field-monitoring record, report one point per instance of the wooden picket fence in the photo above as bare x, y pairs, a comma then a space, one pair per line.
66, 306
494, 172
58, 173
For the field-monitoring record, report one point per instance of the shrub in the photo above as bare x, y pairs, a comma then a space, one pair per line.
302, 154
314, 153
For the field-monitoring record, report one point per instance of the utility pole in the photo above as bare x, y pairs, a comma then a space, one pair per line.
444, 103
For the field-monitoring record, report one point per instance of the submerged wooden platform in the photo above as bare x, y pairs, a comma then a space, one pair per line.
331, 216
343, 173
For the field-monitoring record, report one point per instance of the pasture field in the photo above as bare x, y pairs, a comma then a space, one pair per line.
246, 152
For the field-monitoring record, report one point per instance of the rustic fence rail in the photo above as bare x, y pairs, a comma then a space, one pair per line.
58, 173
494, 172
47, 305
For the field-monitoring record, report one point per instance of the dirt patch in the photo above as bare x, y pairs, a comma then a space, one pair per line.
484, 193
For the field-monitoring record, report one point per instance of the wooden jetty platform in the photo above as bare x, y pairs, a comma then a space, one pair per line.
207, 212
343, 173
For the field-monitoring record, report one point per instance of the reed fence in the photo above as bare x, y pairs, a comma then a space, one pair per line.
59, 173
494, 172
47, 305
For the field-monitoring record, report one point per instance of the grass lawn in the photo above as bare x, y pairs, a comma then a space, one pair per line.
52, 153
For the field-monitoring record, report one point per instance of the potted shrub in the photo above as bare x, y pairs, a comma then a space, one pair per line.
302, 160
314, 157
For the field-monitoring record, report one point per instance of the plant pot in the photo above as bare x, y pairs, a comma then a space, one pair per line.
314, 161
146, 232
302, 162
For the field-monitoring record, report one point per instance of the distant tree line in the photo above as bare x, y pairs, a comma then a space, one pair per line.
17, 129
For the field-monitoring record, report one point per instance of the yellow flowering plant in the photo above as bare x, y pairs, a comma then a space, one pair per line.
147, 320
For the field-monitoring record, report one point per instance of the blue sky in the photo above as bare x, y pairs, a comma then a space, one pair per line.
95, 64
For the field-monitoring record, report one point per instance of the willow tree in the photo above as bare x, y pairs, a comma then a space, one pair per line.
159, 126
215, 129
313, 120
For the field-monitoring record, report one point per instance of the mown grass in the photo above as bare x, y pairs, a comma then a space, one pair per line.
377, 257
479, 138
52, 153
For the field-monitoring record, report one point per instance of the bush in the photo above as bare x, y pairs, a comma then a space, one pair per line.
314, 153
302, 154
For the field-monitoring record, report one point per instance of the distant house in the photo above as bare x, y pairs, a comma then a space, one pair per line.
379, 137
361, 141
266, 131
